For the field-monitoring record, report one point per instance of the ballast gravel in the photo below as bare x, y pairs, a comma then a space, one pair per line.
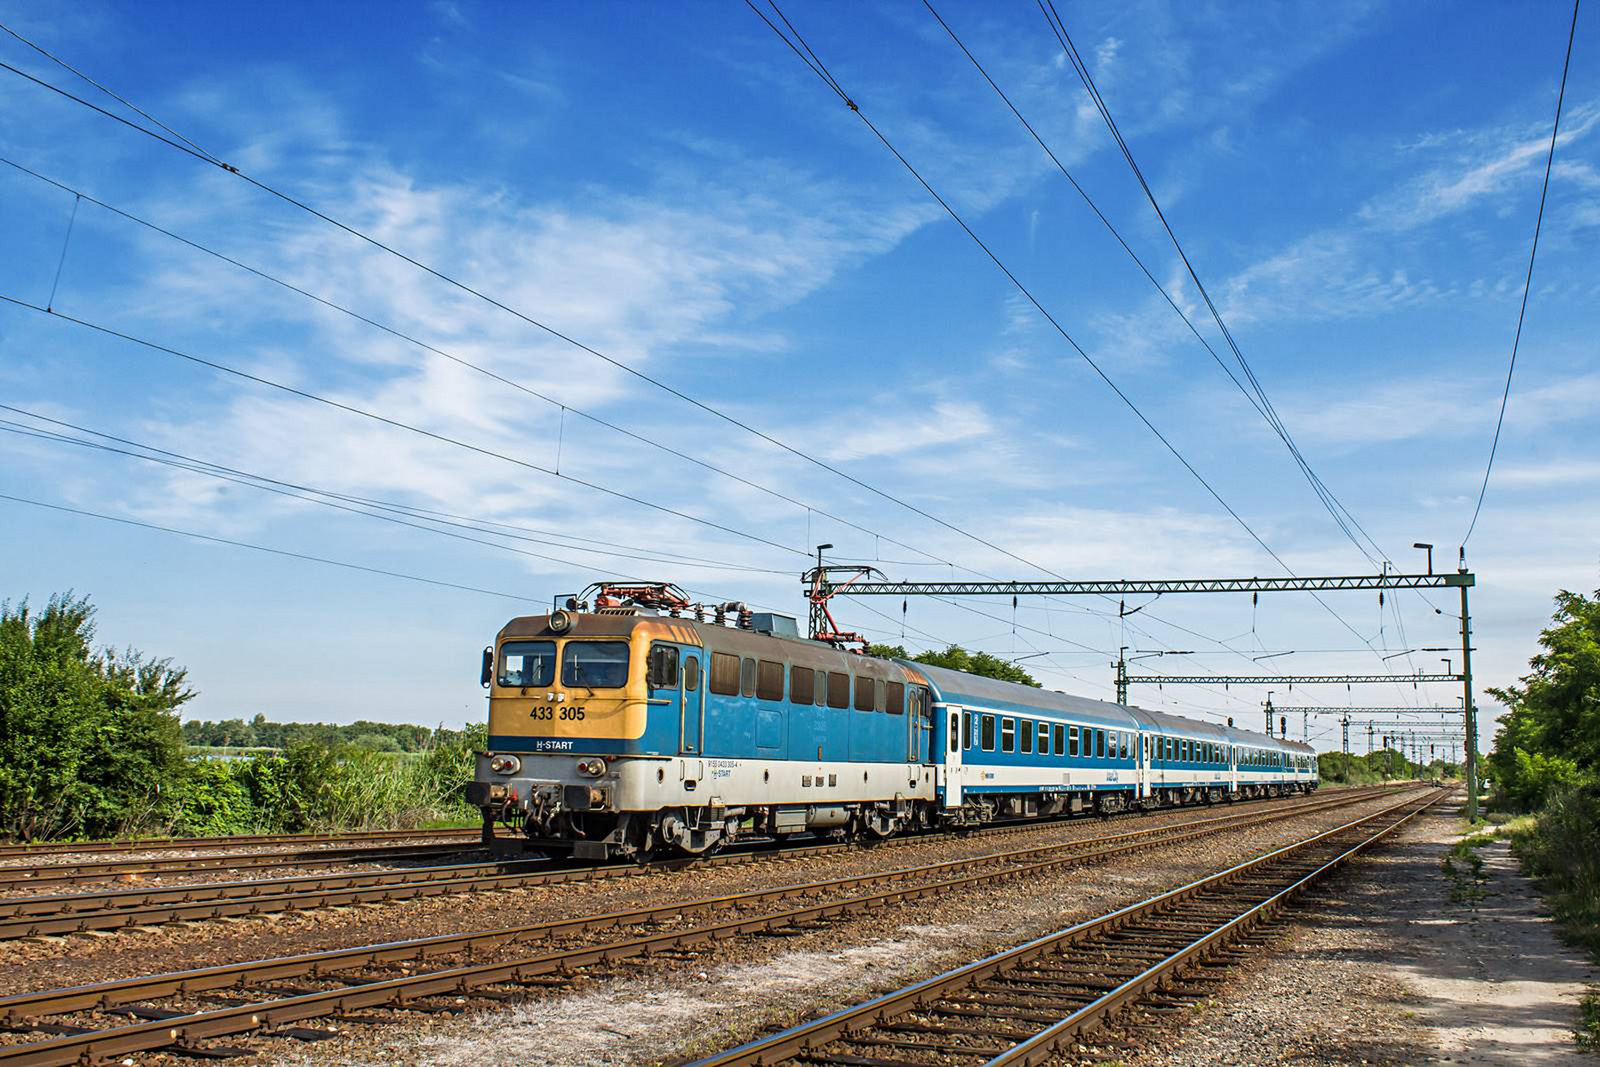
667, 1008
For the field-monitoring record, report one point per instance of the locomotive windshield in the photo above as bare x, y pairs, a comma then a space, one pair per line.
527, 663
595, 664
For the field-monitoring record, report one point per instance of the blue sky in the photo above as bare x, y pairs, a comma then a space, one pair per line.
671, 187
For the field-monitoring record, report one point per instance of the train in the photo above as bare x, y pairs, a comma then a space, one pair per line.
641, 724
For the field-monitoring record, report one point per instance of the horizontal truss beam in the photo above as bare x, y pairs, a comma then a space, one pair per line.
1287, 679
1367, 711
1157, 585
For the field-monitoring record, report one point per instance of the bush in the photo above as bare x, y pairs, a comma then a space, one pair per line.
89, 741
215, 800
1562, 850
1535, 777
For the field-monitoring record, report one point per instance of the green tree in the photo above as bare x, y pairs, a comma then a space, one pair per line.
1550, 735
956, 658
89, 741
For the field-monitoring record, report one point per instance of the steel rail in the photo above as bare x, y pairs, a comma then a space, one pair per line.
54, 914
155, 844
1038, 1045
106, 870
244, 1018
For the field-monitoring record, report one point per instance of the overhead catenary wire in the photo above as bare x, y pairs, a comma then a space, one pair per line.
1265, 411
440, 352
178, 145
385, 420
265, 548
131, 217
206, 156
80, 194
1527, 282
191, 150
188, 148
502, 529
1339, 513
325, 498
808, 57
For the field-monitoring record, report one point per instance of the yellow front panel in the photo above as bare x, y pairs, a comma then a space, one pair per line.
553, 717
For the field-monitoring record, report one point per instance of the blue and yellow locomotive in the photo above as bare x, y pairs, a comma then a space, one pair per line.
630, 728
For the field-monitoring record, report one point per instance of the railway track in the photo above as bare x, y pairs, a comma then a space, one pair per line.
89, 1021
162, 844
14, 878
56, 914
1026, 1005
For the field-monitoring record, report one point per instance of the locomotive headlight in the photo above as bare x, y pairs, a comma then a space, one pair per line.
594, 768
505, 765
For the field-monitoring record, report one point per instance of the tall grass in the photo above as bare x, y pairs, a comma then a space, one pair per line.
316, 787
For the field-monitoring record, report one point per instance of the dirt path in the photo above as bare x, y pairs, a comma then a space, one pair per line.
1490, 977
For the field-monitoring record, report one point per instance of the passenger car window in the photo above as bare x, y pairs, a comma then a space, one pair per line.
595, 664
1061, 740
894, 698
1008, 735
1100, 743
1044, 739
955, 731
966, 729
527, 663
769, 680
801, 680
988, 733
724, 674
1026, 729
1072, 740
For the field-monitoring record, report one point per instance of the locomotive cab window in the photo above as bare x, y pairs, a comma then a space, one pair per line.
864, 693
595, 664
691, 674
894, 698
801, 681
747, 677
527, 663
769, 680
663, 667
